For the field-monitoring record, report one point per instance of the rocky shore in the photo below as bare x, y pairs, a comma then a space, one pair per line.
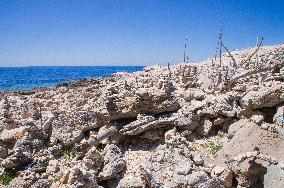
206, 125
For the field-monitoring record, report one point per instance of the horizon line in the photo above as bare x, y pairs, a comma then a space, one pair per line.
73, 66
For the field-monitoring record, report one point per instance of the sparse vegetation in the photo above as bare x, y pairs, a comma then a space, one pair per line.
7, 176
69, 153
280, 56
174, 144
189, 149
57, 178
2, 144
215, 147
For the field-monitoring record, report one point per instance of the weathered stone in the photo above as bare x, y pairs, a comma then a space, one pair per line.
113, 162
198, 159
13, 135
258, 119
263, 97
52, 166
225, 175
3, 152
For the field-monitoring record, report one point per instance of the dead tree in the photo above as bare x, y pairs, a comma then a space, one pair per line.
169, 69
185, 56
255, 51
233, 80
235, 65
219, 45
184, 53
256, 55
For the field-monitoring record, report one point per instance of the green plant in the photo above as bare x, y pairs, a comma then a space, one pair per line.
174, 144
69, 153
215, 148
222, 135
7, 176
57, 178
2, 144
281, 56
189, 149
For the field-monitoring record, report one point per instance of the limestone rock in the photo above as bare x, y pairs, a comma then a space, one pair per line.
274, 177
13, 135
17, 157
258, 119
198, 159
224, 174
263, 97
3, 152
113, 162
52, 166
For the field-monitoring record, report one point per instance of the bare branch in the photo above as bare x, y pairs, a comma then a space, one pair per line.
231, 56
249, 58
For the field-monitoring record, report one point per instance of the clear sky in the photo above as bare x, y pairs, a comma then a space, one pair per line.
130, 32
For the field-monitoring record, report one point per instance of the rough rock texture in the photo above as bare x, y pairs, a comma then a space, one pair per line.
113, 162
274, 176
202, 125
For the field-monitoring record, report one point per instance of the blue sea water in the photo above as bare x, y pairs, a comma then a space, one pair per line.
14, 78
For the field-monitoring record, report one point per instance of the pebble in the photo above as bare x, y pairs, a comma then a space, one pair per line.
198, 159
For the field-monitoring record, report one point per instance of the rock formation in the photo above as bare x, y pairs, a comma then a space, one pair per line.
200, 125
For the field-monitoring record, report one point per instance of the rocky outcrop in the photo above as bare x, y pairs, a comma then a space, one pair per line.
191, 125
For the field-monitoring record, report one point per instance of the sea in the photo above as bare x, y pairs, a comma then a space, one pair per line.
18, 78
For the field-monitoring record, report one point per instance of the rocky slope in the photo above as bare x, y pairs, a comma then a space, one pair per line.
203, 125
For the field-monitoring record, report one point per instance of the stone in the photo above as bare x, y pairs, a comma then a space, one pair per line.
263, 97
274, 177
52, 166
198, 159
224, 174
131, 181
265, 126
170, 134
113, 162
149, 128
95, 156
278, 117
217, 170
152, 135
258, 119
13, 135
17, 157
64, 178
3, 152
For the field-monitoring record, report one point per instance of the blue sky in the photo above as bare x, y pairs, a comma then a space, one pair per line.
130, 32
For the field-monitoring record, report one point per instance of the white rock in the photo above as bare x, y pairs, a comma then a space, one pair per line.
217, 170
198, 159
258, 119
52, 166
264, 126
